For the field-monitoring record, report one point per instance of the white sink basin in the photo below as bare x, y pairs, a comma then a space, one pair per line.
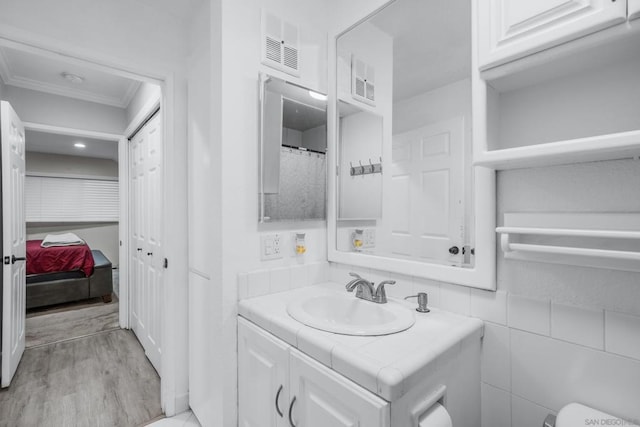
348, 315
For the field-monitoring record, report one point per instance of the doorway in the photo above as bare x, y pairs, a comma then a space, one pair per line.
128, 283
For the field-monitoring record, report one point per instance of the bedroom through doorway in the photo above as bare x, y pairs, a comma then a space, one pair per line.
79, 119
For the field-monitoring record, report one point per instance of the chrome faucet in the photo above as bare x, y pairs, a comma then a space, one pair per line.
366, 289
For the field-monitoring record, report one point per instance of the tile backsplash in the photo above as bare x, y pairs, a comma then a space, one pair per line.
270, 281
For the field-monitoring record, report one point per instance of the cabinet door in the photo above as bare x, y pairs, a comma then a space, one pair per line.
322, 398
511, 29
634, 9
263, 378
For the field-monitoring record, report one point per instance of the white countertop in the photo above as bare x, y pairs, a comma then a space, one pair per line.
387, 365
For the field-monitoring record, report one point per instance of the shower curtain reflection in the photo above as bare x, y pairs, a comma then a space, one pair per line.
302, 192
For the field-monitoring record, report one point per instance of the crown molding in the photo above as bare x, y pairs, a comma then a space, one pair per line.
9, 79
130, 93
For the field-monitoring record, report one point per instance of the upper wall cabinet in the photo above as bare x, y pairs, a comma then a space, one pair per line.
512, 29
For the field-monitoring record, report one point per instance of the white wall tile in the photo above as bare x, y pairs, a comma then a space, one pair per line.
553, 373
622, 334
339, 273
299, 276
496, 407
455, 298
580, 325
490, 306
496, 360
529, 314
402, 288
318, 272
243, 286
280, 279
527, 414
432, 288
258, 283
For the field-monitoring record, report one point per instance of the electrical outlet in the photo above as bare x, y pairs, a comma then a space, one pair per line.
369, 238
271, 246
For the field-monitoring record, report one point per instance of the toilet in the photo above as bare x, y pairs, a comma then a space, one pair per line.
576, 414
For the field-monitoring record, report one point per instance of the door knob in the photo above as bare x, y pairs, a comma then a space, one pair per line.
17, 258
453, 250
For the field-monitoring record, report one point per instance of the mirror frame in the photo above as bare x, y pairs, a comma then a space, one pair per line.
483, 274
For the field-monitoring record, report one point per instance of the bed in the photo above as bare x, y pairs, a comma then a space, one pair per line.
61, 274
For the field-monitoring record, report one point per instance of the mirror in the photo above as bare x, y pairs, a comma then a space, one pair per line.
293, 146
405, 196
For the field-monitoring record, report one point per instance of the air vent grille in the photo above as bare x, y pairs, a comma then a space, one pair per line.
273, 50
290, 57
371, 91
360, 85
363, 86
281, 44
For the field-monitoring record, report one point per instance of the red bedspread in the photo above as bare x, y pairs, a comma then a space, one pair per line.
58, 258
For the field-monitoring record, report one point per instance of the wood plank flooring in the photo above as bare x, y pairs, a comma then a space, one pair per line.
101, 380
53, 327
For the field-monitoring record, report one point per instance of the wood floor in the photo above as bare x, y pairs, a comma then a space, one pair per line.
68, 324
100, 380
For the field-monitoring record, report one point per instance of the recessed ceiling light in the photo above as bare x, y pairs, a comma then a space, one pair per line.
316, 95
73, 78
79, 145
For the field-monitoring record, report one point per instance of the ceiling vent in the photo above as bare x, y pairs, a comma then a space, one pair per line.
280, 44
363, 81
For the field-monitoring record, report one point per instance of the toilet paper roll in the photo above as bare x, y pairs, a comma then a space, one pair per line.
436, 416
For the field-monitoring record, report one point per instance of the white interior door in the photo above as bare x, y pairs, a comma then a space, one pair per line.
147, 254
13, 242
426, 211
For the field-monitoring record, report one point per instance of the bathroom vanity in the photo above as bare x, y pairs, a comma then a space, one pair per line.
291, 374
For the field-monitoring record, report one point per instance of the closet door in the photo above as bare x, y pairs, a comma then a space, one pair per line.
147, 269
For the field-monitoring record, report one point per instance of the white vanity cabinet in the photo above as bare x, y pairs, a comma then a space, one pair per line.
512, 29
280, 386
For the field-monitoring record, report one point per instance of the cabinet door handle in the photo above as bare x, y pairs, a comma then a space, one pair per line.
277, 398
291, 412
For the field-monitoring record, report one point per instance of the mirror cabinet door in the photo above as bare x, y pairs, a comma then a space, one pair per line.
293, 145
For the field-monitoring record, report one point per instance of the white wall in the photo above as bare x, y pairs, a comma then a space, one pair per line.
240, 27
48, 109
58, 164
143, 38
205, 244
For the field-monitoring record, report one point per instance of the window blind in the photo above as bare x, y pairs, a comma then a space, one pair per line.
53, 199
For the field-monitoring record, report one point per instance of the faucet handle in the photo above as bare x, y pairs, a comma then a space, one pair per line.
381, 294
352, 274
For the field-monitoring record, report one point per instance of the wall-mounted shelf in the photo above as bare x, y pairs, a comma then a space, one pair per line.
577, 102
605, 240
604, 147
